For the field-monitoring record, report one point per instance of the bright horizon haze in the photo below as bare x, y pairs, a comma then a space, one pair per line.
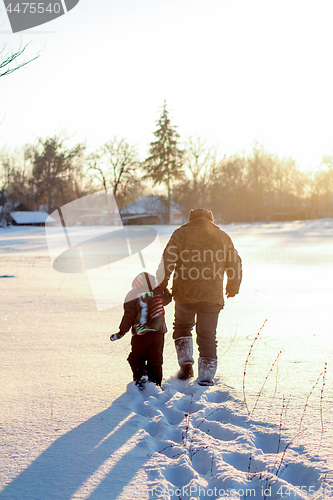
231, 73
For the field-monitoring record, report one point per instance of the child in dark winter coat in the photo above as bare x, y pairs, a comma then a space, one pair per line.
144, 314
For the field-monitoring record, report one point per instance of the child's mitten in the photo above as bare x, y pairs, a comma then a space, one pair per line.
116, 336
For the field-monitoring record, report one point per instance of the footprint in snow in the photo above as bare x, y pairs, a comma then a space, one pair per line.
298, 474
245, 462
170, 449
173, 416
224, 414
158, 426
179, 473
203, 462
186, 404
219, 431
217, 397
145, 409
175, 434
269, 442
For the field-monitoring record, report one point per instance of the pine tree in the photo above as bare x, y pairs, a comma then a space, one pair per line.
164, 163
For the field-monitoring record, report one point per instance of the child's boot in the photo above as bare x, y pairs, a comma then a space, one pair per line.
141, 381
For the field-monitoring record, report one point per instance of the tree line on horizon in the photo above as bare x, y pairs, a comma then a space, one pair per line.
255, 186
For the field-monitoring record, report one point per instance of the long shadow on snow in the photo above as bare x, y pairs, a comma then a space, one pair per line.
73, 458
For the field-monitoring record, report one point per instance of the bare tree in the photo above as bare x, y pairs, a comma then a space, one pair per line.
229, 192
54, 167
7, 59
15, 175
115, 166
322, 187
200, 163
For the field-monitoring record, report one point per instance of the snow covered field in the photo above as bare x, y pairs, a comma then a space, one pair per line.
73, 426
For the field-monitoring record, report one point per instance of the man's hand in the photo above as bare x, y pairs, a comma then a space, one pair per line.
166, 297
230, 294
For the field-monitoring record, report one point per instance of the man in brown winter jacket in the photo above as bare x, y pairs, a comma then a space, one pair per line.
199, 253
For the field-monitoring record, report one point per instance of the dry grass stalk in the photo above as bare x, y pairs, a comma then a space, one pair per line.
307, 399
263, 385
321, 397
246, 363
280, 425
285, 450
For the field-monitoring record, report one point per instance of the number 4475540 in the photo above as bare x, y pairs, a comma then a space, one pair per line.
34, 8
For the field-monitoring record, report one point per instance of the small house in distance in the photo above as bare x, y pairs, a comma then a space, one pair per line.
18, 214
152, 210
19, 218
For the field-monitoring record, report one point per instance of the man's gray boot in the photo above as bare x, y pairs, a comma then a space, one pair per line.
207, 370
184, 348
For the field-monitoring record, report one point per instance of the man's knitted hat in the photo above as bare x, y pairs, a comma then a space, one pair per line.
201, 212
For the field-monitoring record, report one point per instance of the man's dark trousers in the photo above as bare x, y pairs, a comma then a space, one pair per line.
186, 316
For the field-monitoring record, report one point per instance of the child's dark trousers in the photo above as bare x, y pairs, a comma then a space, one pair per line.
146, 357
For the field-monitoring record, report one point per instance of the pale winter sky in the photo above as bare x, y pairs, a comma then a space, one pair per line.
232, 72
